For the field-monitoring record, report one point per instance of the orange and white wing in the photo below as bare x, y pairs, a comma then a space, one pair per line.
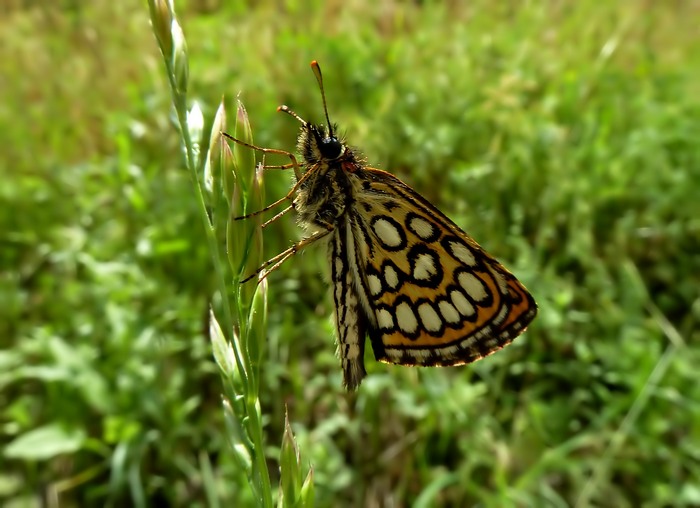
433, 296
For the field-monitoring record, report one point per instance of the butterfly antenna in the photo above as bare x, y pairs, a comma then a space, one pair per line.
317, 72
286, 109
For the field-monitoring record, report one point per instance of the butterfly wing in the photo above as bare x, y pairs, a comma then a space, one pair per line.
431, 294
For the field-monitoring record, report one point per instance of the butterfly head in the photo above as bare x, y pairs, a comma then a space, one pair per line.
320, 144
317, 143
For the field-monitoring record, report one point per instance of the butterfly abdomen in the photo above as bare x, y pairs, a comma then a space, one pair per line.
350, 318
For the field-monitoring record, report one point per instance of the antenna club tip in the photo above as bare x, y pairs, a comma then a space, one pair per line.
314, 63
283, 107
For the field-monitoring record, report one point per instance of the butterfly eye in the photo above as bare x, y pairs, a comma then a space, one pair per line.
331, 148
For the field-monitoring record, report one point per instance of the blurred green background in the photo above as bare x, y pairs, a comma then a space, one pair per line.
562, 135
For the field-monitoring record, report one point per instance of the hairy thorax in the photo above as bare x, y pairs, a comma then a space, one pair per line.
324, 197
327, 189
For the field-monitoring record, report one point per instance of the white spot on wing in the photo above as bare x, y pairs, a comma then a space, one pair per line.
385, 319
501, 281
391, 277
405, 318
387, 233
461, 303
473, 286
469, 341
449, 312
430, 319
425, 267
421, 227
421, 354
501, 316
449, 350
375, 285
462, 253
491, 343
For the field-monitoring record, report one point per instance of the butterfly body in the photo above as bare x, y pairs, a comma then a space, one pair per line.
402, 273
325, 193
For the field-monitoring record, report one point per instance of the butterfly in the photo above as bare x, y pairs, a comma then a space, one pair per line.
401, 272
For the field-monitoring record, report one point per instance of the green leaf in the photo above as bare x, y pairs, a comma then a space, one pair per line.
45, 443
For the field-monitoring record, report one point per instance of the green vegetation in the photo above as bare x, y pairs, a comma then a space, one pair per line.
563, 136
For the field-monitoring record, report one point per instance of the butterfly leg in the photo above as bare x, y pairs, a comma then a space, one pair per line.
288, 197
293, 164
275, 262
263, 210
273, 219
